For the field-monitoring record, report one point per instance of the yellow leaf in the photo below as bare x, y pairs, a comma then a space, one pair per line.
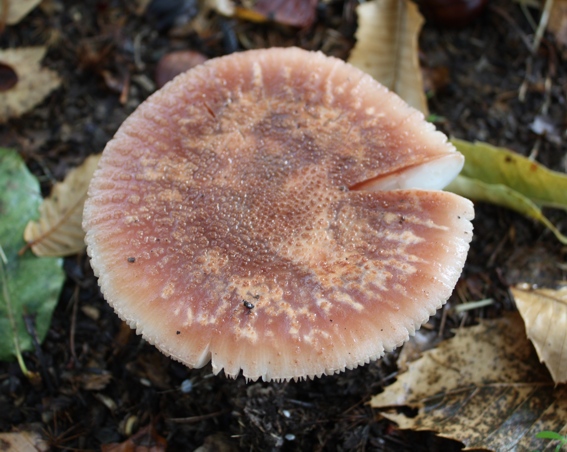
485, 387
495, 165
17, 9
59, 231
505, 178
387, 47
504, 196
545, 314
33, 82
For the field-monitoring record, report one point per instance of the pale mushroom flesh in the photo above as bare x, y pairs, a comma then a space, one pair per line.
276, 212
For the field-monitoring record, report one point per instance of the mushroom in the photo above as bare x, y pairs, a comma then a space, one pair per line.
276, 212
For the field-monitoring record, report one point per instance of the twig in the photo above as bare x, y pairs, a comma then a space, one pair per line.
474, 305
502, 13
196, 419
544, 19
75, 301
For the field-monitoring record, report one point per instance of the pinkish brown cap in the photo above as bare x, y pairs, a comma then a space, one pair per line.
277, 212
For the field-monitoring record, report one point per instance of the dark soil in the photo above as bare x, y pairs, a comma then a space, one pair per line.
101, 384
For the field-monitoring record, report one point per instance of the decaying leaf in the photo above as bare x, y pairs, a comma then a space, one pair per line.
33, 83
558, 23
22, 441
387, 47
17, 9
545, 314
485, 387
59, 231
502, 177
28, 285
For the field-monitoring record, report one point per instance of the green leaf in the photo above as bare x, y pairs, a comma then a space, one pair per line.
494, 165
551, 435
29, 285
503, 196
502, 177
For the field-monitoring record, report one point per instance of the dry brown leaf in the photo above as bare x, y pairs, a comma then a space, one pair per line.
33, 82
22, 441
59, 231
17, 9
558, 22
485, 387
387, 47
545, 314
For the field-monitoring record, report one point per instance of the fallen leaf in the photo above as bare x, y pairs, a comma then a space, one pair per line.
545, 314
502, 177
59, 231
22, 441
28, 284
558, 22
485, 388
387, 47
33, 83
17, 9
504, 196
496, 165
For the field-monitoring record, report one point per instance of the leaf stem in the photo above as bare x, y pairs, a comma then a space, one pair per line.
18, 352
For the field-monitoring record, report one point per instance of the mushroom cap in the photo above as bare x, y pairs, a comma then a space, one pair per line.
263, 211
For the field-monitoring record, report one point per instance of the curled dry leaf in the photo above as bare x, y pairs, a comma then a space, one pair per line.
33, 83
387, 47
17, 9
59, 231
545, 314
485, 387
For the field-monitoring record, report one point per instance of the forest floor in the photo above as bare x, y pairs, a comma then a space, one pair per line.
102, 384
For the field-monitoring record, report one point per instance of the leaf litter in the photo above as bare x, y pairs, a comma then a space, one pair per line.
545, 314
505, 178
30, 285
15, 10
387, 47
261, 416
33, 82
484, 387
59, 232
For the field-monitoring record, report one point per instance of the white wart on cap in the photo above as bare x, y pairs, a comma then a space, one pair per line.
276, 212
